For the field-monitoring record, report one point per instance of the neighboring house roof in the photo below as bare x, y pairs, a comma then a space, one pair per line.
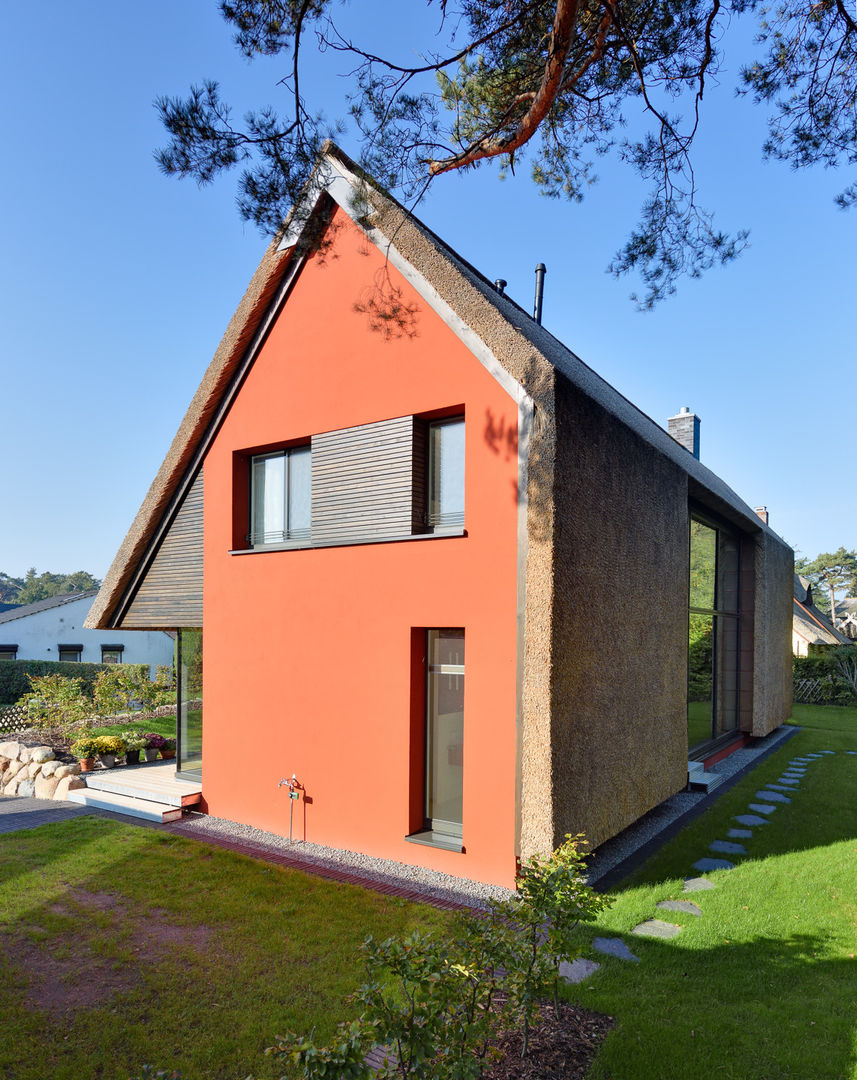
473, 307
23, 610
810, 622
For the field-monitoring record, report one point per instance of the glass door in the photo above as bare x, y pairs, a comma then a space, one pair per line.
189, 703
445, 733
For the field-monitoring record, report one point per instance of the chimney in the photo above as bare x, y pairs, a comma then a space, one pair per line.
762, 511
684, 428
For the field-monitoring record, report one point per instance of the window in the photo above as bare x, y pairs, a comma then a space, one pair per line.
280, 491
8, 652
70, 653
443, 747
713, 645
446, 475
112, 654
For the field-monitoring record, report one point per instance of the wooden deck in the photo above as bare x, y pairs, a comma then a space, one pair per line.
151, 791
155, 781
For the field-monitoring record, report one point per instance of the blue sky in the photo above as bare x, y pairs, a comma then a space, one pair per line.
116, 282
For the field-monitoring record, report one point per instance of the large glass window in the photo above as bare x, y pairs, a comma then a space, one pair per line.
713, 659
280, 495
446, 475
189, 669
444, 783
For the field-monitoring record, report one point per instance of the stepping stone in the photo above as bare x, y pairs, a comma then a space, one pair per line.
796, 777
740, 834
577, 970
656, 928
786, 785
772, 796
725, 848
761, 808
680, 905
703, 865
851, 752
698, 884
792, 771
827, 751
614, 947
814, 757
753, 819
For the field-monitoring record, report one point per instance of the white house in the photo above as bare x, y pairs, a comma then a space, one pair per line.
52, 629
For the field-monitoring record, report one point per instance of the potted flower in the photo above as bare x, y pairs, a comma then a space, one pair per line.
168, 750
109, 748
134, 743
86, 751
154, 742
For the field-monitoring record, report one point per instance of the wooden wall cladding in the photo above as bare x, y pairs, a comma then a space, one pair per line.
362, 482
170, 593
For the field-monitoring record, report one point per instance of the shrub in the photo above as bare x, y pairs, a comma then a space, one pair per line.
14, 681
438, 1005
133, 741
154, 741
124, 688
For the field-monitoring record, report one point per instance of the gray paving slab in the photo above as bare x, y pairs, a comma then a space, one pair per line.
794, 772
786, 785
614, 947
656, 928
577, 970
853, 752
751, 819
740, 834
827, 751
762, 808
698, 884
771, 796
706, 864
23, 812
726, 847
684, 906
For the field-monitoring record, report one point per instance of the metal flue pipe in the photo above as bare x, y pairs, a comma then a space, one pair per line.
541, 270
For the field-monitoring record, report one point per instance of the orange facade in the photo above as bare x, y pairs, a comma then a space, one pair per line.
313, 658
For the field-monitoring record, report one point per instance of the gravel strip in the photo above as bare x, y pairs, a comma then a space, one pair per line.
429, 883
432, 883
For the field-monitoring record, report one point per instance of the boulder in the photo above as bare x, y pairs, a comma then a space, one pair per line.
23, 753
33, 769
26, 788
41, 754
14, 768
49, 768
63, 771
4, 764
45, 787
11, 749
67, 784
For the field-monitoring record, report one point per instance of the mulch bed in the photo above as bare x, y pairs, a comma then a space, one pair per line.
561, 1047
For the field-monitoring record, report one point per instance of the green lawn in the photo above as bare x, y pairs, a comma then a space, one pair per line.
762, 986
123, 946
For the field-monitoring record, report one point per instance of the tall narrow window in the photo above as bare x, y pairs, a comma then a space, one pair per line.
444, 783
446, 475
713, 659
280, 487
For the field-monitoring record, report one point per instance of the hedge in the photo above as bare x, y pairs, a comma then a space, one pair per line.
14, 682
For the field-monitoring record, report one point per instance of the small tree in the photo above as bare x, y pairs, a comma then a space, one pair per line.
57, 702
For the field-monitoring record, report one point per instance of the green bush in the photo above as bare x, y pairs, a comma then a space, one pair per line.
439, 1004
14, 682
830, 668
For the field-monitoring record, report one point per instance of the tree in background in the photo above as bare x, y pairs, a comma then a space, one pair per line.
35, 586
555, 80
835, 573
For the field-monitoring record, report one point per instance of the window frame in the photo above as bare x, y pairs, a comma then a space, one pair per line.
288, 536
440, 523
119, 649
70, 648
8, 652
